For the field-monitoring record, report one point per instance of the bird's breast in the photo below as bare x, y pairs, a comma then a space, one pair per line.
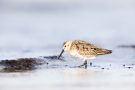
74, 53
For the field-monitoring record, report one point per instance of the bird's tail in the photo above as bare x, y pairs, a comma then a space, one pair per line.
103, 51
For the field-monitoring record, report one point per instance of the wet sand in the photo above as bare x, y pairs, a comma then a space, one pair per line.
59, 79
61, 74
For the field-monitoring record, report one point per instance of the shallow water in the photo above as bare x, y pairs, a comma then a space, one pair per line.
33, 29
55, 79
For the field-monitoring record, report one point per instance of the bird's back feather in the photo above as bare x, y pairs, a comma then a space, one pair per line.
88, 49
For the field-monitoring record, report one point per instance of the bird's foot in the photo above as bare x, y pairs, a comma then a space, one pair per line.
90, 63
83, 65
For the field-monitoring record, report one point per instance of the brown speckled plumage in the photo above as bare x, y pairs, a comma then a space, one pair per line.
83, 49
87, 49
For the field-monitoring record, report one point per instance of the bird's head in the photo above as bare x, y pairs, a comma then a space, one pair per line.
66, 47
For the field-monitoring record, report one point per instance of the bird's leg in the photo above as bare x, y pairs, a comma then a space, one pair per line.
90, 63
84, 64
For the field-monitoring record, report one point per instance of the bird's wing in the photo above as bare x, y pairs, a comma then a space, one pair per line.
101, 51
85, 48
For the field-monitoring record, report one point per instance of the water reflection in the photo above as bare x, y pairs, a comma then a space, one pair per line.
78, 77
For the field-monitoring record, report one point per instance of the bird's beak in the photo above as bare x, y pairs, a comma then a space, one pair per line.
61, 54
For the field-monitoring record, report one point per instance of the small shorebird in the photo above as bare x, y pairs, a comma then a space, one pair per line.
83, 50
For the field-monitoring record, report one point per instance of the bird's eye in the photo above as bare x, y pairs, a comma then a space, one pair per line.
65, 46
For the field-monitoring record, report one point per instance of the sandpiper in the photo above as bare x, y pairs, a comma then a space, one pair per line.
83, 50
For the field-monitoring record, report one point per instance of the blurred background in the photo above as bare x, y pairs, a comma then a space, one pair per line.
32, 28
39, 27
